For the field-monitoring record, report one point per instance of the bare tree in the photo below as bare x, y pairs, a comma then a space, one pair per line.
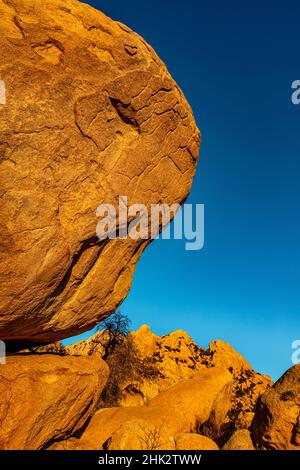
150, 439
127, 367
116, 328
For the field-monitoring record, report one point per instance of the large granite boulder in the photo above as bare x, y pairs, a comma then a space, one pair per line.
47, 397
276, 424
91, 114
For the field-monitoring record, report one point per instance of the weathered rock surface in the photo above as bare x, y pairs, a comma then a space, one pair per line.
210, 392
181, 409
240, 440
244, 420
203, 398
47, 397
140, 435
91, 114
138, 428
106, 422
88, 347
148, 342
276, 424
177, 357
222, 354
192, 441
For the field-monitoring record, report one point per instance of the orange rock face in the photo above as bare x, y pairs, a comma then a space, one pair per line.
276, 424
91, 114
178, 357
107, 422
198, 399
189, 441
205, 397
240, 440
47, 397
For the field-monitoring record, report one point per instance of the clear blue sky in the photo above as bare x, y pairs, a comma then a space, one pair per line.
235, 62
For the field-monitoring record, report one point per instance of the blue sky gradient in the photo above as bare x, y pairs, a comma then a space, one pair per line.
235, 62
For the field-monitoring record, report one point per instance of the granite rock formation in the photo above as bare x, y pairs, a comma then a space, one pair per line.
276, 424
239, 440
91, 114
177, 357
199, 392
47, 397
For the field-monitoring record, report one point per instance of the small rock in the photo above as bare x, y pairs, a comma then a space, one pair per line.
191, 441
240, 440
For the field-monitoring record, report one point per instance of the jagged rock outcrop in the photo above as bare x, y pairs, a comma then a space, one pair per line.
47, 397
146, 341
177, 357
222, 354
88, 347
276, 424
208, 394
92, 113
